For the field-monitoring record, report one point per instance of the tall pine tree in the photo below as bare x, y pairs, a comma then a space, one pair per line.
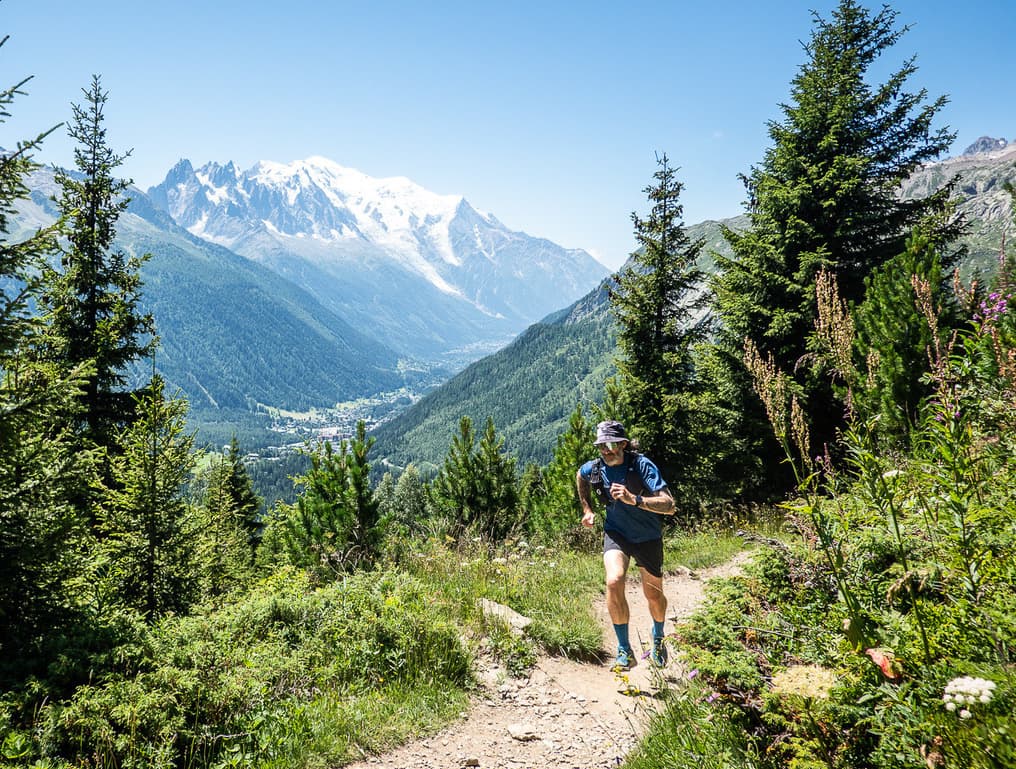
40, 472
824, 196
658, 302
146, 552
95, 297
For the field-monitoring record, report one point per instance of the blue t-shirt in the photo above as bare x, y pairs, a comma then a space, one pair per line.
632, 523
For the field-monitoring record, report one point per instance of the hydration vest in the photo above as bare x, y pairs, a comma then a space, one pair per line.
632, 478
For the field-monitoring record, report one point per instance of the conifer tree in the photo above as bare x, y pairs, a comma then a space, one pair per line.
239, 488
497, 502
403, 502
40, 533
824, 196
365, 534
657, 301
148, 538
893, 340
478, 485
94, 299
559, 509
223, 555
334, 525
455, 484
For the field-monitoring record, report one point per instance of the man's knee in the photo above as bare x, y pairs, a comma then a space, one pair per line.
615, 580
652, 586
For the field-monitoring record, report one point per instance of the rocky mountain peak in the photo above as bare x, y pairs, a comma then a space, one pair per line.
985, 144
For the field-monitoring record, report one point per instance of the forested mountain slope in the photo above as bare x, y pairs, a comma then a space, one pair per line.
531, 387
233, 333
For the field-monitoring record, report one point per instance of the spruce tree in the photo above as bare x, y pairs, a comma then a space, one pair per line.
824, 196
893, 340
239, 488
223, 555
94, 299
559, 510
455, 485
657, 300
148, 537
497, 493
41, 534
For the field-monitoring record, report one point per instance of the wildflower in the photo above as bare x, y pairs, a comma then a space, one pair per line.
967, 691
808, 681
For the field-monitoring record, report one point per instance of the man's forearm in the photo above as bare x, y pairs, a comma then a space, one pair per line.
583, 487
661, 503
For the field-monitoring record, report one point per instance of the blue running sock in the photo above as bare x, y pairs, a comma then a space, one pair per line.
657, 630
621, 631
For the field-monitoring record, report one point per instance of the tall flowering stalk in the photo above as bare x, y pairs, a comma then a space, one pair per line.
790, 426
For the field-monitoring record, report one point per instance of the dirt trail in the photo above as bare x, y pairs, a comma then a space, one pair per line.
566, 715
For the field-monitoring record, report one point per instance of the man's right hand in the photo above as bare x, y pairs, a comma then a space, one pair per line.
589, 518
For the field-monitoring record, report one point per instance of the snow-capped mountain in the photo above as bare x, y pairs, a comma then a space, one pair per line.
425, 273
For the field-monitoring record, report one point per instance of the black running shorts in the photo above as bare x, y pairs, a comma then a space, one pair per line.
647, 555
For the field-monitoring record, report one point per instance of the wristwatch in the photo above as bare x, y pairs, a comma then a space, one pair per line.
638, 500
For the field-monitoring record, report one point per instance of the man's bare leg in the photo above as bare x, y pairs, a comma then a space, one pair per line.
652, 588
615, 565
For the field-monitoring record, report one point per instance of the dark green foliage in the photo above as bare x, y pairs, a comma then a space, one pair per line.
224, 553
657, 301
529, 389
825, 195
41, 535
239, 492
94, 301
403, 503
901, 585
237, 682
478, 485
145, 557
334, 525
555, 508
894, 339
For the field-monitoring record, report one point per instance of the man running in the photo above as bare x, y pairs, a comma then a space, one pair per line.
635, 496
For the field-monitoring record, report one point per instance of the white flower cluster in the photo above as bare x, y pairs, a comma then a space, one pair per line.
965, 691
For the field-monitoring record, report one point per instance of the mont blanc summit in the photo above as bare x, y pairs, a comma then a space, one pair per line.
417, 268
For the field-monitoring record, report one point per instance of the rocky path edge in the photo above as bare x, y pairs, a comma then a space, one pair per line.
565, 715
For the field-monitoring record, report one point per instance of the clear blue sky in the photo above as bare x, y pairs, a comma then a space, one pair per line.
547, 114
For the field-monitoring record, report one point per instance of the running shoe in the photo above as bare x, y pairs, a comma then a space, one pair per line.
625, 660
